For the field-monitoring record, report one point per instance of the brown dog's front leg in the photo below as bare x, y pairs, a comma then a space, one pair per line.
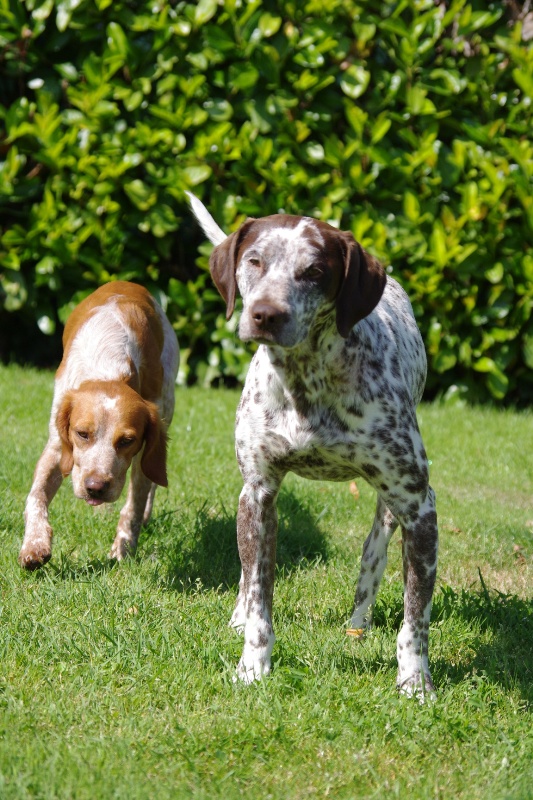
36, 547
132, 515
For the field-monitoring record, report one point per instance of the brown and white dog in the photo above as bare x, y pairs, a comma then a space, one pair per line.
113, 403
331, 394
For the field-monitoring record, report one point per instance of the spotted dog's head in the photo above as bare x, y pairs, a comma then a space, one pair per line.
289, 271
103, 425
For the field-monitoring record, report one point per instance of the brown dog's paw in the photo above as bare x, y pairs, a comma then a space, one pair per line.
122, 548
34, 556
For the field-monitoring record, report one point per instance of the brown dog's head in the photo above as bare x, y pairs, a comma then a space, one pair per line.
103, 425
289, 270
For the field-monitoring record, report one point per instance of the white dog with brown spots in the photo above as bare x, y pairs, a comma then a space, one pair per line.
331, 394
113, 402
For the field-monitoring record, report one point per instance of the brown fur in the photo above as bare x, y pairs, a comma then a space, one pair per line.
113, 402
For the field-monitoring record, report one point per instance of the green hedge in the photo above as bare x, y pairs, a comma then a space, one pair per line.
408, 123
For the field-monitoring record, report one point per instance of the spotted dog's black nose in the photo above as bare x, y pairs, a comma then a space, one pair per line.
268, 318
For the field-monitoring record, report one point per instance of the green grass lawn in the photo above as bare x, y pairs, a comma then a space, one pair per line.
116, 680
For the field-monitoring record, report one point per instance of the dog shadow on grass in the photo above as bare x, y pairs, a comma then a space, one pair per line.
64, 568
500, 646
206, 551
496, 637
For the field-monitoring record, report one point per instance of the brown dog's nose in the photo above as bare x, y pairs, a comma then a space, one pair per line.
96, 487
267, 317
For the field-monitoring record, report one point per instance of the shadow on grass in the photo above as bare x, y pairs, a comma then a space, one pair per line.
500, 636
206, 550
507, 659
65, 568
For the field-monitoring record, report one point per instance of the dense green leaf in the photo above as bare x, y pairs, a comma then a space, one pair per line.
141, 195
354, 81
408, 124
205, 9
269, 24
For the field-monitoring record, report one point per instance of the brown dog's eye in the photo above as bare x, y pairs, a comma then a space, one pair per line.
125, 441
83, 435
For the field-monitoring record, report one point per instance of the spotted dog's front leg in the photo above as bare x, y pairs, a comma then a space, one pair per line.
373, 565
138, 504
419, 545
257, 524
239, 612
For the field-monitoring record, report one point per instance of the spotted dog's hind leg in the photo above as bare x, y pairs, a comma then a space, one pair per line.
419, 547
373, 563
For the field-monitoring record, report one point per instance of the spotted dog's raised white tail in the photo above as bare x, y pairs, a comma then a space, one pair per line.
214, 233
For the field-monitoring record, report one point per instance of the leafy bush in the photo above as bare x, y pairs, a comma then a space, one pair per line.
408, 123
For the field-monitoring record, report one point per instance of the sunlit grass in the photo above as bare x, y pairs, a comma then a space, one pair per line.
116, 680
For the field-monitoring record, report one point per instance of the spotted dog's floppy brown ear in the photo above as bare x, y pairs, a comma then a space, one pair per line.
63, 426
361, 287
154, 456
223, 264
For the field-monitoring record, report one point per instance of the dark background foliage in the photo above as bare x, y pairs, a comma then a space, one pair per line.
407, 122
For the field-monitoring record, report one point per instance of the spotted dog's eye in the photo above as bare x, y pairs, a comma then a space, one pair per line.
125, 441
254, 262
312, 273
83, 435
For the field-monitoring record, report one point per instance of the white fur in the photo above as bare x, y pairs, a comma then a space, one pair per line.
215, 234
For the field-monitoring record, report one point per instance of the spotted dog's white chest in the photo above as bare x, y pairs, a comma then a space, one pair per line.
314, 446
301, 428
317, 447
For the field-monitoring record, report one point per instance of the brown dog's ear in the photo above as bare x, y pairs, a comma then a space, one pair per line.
361, 287
223, 265
154, 457
63, 425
